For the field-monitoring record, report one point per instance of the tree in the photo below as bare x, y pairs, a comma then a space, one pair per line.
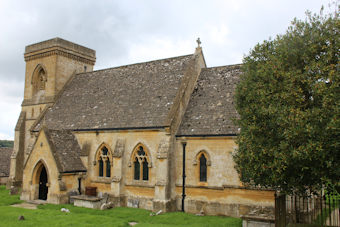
6, 143
288, 101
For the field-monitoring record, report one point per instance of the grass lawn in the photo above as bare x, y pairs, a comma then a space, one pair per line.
50, 215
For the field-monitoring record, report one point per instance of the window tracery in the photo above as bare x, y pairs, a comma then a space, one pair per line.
104, 162
141, 164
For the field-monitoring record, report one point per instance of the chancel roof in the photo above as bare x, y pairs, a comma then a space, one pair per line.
132, 96
211, 107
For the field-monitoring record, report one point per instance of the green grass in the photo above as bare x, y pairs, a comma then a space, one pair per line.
6, 199
50, 215
330, 206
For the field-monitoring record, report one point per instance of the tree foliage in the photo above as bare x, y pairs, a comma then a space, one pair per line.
288, 100
6, 143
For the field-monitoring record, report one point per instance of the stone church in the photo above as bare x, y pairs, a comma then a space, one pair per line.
127, 132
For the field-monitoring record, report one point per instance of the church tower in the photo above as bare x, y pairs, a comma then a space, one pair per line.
49, 65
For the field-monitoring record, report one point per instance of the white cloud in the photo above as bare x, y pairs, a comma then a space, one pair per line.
219, 34
125, 32
156, 48
10, 107
5, 137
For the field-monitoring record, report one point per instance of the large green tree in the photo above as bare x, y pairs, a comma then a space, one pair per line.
288, 100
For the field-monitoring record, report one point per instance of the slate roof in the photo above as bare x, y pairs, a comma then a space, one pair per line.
5, 160
66, 150
211, 107
132, 96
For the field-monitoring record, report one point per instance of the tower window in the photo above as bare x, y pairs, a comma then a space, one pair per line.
39, 80
42, 80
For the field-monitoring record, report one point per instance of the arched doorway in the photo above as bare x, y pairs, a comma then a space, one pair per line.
43, 189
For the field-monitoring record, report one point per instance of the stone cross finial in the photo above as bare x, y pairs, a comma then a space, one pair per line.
198, 42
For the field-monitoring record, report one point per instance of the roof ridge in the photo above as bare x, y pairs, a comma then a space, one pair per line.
138, 63
222, 66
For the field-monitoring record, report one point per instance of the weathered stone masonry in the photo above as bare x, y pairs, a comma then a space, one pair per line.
121, 130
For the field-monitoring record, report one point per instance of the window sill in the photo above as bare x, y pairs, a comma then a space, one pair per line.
144, 184
202, 183
105, 180
201, 186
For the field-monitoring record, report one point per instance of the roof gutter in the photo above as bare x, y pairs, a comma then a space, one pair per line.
115, 129
208, 135
75, 171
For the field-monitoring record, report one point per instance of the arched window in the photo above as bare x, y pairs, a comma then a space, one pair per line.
141, 164
203, 168
104, 162
39, 79
202, 161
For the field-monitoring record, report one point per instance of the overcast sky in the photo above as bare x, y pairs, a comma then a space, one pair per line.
126, 32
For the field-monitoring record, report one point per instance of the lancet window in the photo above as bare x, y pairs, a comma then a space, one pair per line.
202, 161
203, 168
39, 79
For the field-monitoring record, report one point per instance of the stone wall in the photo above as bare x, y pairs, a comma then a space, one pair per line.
3, 180
121, 185
222, 193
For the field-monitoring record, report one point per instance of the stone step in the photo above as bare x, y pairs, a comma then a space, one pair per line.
37, 201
